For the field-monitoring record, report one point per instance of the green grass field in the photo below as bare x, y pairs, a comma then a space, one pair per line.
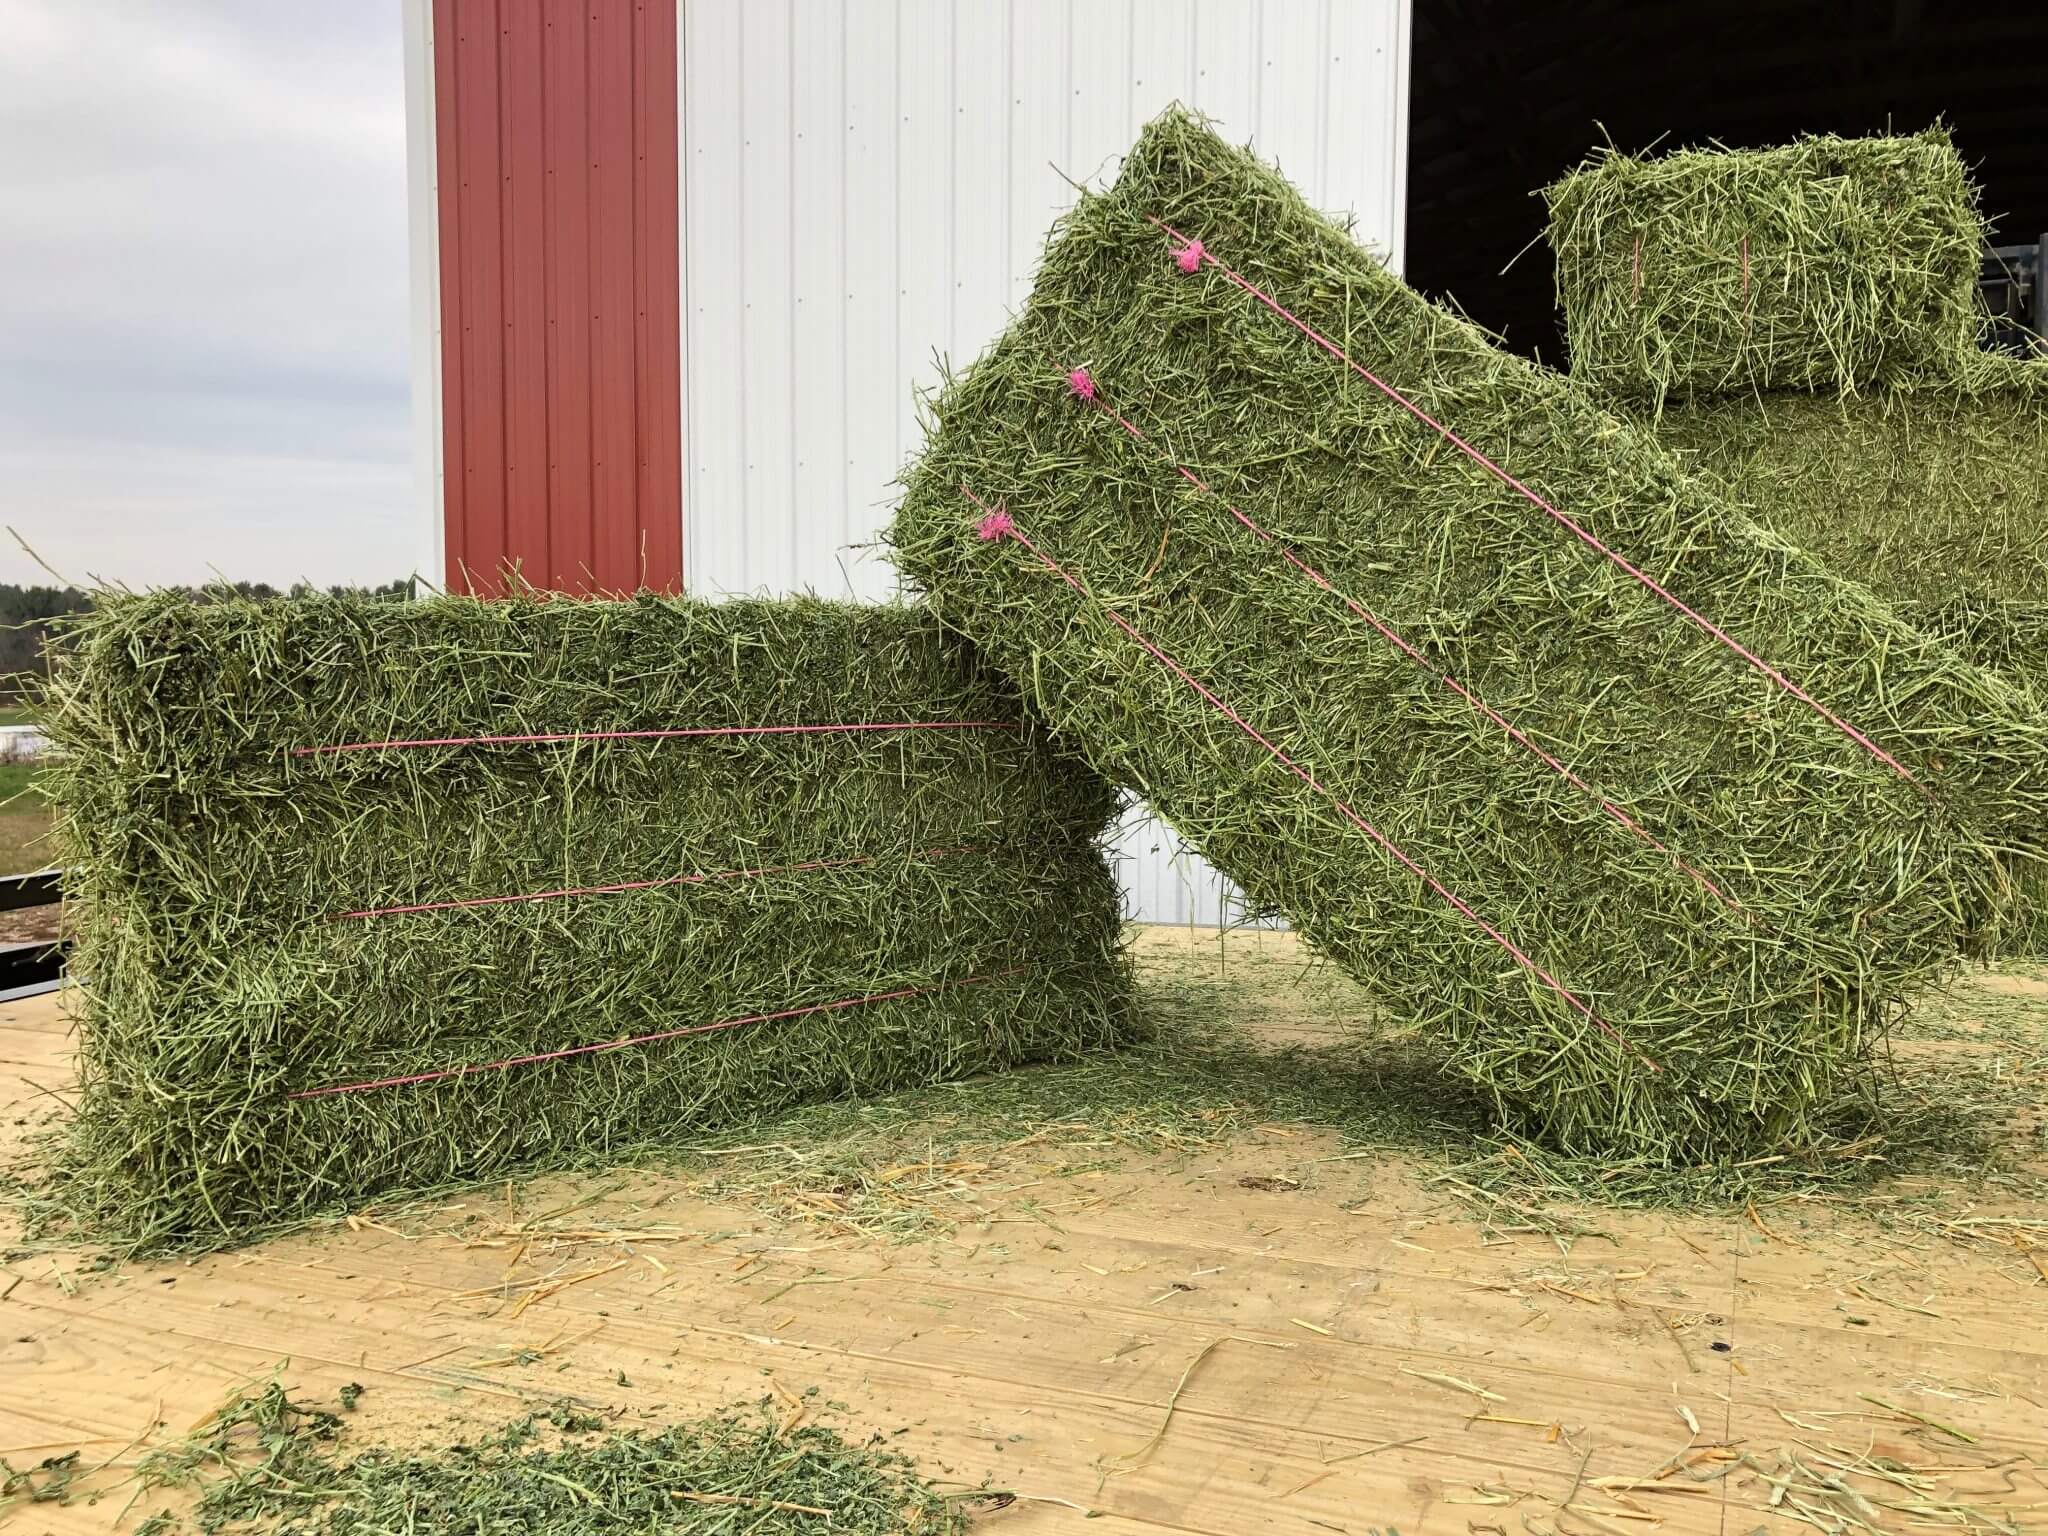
24, 821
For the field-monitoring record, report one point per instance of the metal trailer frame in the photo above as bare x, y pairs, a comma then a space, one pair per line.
36, 966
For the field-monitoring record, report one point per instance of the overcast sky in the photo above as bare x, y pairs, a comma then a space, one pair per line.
203, 331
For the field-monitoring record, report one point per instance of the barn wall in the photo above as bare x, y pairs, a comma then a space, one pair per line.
867, 186
423, 240
555, 184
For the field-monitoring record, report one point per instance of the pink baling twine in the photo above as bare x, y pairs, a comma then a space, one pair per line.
1201, 254
1003, 525
666, 1034
549, 737
1413, 654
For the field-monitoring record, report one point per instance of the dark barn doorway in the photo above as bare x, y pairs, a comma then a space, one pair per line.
1507, 94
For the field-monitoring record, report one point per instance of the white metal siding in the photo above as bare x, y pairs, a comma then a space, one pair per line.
423, 228
866, 187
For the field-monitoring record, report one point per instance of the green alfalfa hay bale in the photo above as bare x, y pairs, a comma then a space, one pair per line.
205, 866
1936, 497
2010, 634
1828, 264
1855, 887
1929, 495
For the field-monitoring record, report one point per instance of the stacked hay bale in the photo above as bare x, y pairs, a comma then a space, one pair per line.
1828, 264
1800, 324
1643, 815
375, 895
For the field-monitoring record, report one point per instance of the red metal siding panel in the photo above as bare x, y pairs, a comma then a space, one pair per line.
568, 130
448, 194
520, 131
477, 528
561, 357
658, 347
614, 424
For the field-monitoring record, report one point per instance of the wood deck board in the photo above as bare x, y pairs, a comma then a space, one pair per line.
1038, 1348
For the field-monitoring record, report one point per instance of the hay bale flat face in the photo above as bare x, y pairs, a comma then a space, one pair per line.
669, 864
1654, 896
1937, 498
1928, 495
1827, 264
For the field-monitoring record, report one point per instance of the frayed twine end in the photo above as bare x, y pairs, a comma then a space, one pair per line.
1081, 384
996, 525
1190, 257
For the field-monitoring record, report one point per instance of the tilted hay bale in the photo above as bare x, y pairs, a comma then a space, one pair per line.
942, 888
1826, 264
1121, 589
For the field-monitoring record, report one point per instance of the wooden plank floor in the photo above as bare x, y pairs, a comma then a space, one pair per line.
1263, 1336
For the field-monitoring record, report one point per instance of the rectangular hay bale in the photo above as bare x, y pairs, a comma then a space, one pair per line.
918, 895
1826, 264
1656, 904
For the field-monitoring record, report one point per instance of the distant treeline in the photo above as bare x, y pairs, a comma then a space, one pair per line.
28, 613
25, 615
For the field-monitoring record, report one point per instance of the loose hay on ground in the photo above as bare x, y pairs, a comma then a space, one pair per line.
208, 871
270, 1462
1854, 887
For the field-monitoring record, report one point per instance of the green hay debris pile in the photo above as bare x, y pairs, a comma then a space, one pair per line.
1827, 264
207, 868
269, 1462
1853, 887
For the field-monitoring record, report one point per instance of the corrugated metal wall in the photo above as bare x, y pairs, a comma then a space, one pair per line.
867, 185
560, 380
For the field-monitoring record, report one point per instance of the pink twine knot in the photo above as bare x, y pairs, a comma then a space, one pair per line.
996, 525
1190, 257
1082, 385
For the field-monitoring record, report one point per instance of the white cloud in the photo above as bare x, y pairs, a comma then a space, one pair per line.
203, 331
